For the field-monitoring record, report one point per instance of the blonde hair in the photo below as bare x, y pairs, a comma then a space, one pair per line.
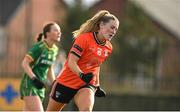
92, 24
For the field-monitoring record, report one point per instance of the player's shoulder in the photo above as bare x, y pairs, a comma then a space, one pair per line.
38, 45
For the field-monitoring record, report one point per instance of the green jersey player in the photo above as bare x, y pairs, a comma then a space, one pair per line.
38, 66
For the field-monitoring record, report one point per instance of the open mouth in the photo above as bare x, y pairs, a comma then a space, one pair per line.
110, 36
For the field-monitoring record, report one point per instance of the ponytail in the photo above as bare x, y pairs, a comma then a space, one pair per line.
40, 37
92, 24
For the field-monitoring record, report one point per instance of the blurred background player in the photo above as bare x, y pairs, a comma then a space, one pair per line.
38, 66
79, 78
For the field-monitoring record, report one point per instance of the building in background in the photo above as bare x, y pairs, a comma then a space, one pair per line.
20, 22
165, 14
24, 21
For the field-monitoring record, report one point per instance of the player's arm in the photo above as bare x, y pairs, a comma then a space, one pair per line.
76, 52
72, 63
51, 75
26, 66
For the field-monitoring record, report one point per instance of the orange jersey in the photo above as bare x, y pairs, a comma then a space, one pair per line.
91, 55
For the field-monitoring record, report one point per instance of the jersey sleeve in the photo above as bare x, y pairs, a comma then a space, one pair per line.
35, 52
79, 45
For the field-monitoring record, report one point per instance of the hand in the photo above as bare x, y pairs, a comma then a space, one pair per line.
86, 77
38, 83
100, 92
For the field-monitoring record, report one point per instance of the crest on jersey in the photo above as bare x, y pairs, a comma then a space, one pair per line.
106, 53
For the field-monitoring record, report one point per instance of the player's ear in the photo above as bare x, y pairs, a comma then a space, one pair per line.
101, 24
47, 34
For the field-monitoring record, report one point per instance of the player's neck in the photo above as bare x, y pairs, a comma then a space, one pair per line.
49, 43
100, 38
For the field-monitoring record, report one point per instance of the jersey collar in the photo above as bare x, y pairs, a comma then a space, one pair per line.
97, 40
49, 48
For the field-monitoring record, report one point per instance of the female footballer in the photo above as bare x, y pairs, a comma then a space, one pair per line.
37, 65
79, 78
